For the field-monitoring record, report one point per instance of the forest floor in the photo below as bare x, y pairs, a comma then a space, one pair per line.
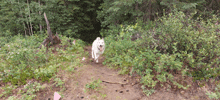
112, 86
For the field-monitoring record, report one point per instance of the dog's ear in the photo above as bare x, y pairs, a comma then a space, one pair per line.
102, 38
98, 38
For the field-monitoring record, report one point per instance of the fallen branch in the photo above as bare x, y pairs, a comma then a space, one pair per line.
114, 82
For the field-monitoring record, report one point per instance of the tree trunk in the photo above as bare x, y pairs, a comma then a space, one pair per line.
28, 26
30, 17
48, 29
51, 39
23, 22
40, 21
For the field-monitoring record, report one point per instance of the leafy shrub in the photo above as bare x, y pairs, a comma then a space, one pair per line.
173, 47
21, 59
195, 42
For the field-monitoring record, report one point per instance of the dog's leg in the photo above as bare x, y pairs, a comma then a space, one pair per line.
92, 54
97, 56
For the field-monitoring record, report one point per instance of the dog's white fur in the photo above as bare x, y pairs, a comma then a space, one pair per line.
98, 48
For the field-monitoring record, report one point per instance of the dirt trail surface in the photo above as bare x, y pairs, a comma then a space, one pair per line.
114, 86
119, 87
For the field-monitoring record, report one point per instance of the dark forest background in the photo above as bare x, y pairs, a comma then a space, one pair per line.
85, 19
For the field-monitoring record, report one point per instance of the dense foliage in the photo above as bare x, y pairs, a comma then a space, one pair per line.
84, 18
169, 50
73, 18
116, 12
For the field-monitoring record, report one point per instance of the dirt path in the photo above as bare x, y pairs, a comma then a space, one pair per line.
115, 86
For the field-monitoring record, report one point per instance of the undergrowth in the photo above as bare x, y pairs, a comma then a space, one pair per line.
22, 60
169, 50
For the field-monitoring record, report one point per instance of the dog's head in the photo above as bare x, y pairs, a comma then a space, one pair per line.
101, 44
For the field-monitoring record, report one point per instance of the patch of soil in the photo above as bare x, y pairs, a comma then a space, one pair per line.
114, 86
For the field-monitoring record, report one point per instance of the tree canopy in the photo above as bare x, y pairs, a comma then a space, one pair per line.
85, 18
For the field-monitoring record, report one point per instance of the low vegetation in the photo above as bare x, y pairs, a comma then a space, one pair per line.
22, 60
94, 85
169, 50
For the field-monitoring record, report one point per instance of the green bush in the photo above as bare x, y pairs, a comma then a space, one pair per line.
21, 59
171, 48
195, 42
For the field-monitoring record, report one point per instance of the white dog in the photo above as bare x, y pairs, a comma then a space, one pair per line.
98, 48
